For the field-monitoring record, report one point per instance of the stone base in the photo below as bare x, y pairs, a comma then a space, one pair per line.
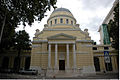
50, 72
88, 70
68, 70
56, 69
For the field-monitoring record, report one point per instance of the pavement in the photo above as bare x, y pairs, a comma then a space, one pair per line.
97, 76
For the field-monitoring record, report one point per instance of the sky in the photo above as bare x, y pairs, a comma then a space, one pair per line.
88, 13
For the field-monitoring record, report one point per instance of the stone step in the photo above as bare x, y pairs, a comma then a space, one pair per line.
63, 74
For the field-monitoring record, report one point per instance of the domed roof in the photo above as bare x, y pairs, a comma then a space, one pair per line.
61, 12
61, 9
60, 17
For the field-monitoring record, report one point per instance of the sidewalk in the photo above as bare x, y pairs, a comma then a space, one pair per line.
17, 76
98, 76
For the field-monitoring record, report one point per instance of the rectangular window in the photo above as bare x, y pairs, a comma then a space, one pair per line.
94, 48
55, 21
71, 22
61, 20
66, 21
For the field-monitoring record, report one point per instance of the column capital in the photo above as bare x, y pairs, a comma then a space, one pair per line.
74, 43
49, 43
56, 43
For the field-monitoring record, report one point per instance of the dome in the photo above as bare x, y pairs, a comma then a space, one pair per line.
61, 9
61, 16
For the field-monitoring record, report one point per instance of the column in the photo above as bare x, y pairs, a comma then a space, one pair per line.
67, 55
74, 57
116, 62
49, 56
102, 64
113, 63
56, 55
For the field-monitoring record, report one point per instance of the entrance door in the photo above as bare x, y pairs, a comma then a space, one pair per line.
61, 64
27, 63
96, 63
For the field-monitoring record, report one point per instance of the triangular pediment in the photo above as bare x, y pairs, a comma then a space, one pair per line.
62, 36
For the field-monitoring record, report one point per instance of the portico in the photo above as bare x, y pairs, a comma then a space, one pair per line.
63, 55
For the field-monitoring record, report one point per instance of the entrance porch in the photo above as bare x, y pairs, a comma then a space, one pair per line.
61, 56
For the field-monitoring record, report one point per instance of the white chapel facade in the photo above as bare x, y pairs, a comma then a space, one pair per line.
62, 45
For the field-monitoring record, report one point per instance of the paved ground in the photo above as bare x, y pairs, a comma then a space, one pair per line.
98, 76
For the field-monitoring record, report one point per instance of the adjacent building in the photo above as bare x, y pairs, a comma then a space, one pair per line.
8, 60
104, 36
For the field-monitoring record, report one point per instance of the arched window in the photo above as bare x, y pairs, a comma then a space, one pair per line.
72, 22
27, 63
55, 21
16, 63
96, 63
5, 62
67, 21
51, 23
61, 20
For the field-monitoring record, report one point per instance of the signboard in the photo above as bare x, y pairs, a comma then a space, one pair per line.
106, 57
106, 38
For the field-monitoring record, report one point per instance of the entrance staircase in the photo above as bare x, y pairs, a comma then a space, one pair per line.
63, 74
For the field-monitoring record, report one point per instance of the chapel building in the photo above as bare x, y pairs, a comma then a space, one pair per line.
63, 46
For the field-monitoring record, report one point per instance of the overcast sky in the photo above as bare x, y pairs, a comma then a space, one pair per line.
88, 13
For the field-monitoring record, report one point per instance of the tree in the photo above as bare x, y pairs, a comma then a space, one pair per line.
13, 12
113, 28
22, 42
7, 41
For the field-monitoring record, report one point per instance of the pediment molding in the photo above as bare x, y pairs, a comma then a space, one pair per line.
62, 36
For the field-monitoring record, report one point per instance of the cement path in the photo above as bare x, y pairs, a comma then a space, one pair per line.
98, 76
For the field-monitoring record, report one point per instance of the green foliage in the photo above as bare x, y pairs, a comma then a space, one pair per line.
7, 39
24, 10
17, 11
113, 28
12, 12
22, 41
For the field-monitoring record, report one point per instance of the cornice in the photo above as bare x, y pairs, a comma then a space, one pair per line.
61, 42
97, 55
101, 51
38, 41
101, 45
84, 40
60, 29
